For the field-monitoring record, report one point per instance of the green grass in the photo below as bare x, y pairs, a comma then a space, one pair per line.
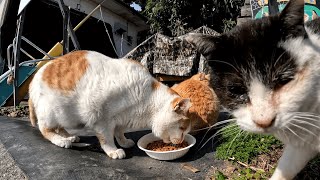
247, 173
244, 174
220, 176
243, 146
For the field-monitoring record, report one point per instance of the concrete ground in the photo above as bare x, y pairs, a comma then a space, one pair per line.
25, 154
8, 168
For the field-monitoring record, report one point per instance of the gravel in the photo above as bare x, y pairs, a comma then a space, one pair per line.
21, 111
8, 168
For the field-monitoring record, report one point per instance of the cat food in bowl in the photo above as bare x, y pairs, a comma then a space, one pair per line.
161, 146
157, 149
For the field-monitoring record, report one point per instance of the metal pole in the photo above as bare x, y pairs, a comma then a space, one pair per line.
86, 18
17, 45
273, 7
2, 61
65, 31
36, 47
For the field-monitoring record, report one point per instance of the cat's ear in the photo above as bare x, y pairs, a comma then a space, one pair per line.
182, 106
204, 76
204, 44
292, 19
207, 76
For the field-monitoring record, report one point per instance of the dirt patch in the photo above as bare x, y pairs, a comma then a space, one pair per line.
267, 161
261, 167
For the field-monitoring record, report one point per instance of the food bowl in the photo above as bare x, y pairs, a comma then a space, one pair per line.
165, 155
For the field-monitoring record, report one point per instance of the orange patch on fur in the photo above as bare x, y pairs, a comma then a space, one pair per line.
62, 132
48, 133
32, 113
135, 62
138, 63
171, 91
155, 85
101, 138
64, 72
205, 103
175, 101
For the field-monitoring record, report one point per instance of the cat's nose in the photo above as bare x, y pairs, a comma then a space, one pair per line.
265, 123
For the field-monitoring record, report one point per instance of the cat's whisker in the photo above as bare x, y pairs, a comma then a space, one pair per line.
217, 134
230, 128
232, 131
214, 135
215, 125
306, 122
302, 128
206, 135
307, 119
226, 63
306, 114
226, 129
225, 133
239, 133
247, 134
285, 135
295, 134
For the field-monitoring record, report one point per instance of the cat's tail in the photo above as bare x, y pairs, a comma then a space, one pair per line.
32, 113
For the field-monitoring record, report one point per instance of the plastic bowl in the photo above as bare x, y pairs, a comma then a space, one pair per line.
165, 155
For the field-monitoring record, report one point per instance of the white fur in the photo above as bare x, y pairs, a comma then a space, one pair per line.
301, 143
112, 96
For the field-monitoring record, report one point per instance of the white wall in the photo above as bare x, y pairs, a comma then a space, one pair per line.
111, 18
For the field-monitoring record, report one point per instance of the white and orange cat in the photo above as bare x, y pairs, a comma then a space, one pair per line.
108, 96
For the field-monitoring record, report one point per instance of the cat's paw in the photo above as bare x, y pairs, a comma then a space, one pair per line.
117, 154
64, 143
128, 143
74, 139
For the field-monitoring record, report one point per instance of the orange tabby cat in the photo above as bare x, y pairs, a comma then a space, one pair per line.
205, 103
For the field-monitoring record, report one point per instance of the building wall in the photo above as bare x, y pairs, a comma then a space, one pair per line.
111, 18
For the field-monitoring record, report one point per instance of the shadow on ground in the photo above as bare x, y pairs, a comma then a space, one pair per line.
40, 159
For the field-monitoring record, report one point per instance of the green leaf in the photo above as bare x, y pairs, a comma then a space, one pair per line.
220, 176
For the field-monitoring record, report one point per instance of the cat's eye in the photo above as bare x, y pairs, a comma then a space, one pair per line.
282, 82
244, 97
182, 128
237, 90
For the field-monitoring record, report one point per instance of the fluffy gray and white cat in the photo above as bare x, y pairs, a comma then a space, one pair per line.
266, 72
